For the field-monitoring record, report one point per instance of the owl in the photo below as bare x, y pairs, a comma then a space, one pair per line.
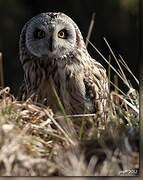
56, 63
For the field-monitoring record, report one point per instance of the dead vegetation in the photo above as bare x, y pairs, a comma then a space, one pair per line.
35, 142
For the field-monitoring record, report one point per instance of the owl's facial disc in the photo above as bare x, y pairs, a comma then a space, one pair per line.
53, 39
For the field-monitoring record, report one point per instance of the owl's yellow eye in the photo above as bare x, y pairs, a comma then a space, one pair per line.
39, 34
62, 34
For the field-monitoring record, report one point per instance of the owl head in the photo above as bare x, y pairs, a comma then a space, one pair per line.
54, 35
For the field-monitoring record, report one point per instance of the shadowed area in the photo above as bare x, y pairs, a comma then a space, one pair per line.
116, 20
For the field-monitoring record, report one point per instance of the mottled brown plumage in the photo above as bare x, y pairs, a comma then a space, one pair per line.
63, 64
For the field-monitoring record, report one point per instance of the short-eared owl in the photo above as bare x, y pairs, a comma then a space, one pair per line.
54, 56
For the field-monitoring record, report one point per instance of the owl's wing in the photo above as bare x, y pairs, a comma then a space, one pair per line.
96, 84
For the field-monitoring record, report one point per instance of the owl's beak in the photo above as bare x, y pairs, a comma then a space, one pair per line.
51, 44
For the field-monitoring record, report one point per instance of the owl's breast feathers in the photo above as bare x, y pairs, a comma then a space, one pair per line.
82, 86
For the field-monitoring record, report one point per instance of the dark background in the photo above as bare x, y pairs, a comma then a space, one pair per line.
117, 20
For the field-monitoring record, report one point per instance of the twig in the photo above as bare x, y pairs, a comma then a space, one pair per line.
1, 71
90, 28
126, 66
76, 116
117, 85
109, 70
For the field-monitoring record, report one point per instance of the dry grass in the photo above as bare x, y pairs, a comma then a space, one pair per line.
36, 142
